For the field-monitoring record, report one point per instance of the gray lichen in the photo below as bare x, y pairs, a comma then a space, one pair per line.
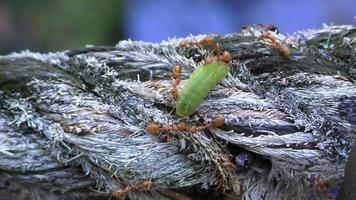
73, 123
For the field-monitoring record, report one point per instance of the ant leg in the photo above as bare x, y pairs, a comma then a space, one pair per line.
146, 185
212, 58
218, 51
224, 56
122, 193
177, 72
273, 42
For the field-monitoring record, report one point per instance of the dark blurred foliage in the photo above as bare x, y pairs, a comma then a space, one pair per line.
45, 25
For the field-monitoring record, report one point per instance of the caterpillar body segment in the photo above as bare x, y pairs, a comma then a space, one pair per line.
200, 83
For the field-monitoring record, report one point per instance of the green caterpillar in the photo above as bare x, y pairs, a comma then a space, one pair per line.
200, 83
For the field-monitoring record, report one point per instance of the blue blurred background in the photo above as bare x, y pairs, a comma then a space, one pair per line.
44, 25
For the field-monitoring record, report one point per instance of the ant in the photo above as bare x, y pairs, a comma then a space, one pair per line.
324, 188
146, 185
273, 42
207, 41
201, 73
224, 57
177, 71
155, 128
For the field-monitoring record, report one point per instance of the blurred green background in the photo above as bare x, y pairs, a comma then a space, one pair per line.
43, 25
56, 25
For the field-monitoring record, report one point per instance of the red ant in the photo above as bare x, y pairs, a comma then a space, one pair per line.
146, 185
274, 43
155, 128
225, 57
324, 188
207, 41
177, 71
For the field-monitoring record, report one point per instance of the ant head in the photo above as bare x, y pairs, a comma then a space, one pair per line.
177, 69
146, 185
119, 193
208, 41
218, 122
153, 129
225, 57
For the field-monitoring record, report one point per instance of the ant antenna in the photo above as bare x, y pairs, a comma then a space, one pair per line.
218, 51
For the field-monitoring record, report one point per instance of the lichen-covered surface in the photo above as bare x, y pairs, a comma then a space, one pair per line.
73, 123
